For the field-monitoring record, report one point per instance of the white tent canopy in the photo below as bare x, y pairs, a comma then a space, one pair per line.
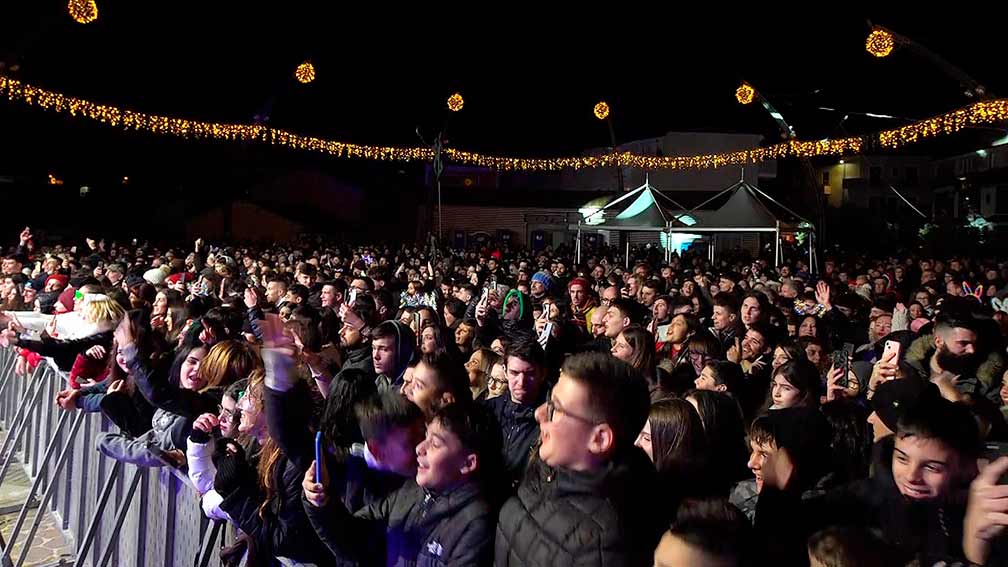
747, 209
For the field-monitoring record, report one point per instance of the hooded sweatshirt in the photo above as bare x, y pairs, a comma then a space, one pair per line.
405, 346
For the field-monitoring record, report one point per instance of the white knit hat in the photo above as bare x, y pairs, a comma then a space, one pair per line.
156, 276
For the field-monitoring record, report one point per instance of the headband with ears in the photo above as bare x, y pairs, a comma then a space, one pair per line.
999, 305
975, 294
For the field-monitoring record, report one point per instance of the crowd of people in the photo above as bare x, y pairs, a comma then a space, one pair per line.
410, 405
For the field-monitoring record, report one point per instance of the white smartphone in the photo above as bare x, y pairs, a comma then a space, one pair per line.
544, 337
353, 297
892, 351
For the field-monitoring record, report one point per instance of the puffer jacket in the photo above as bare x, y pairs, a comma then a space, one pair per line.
985, 383
358, 358
418, 528
519, 429
563, 518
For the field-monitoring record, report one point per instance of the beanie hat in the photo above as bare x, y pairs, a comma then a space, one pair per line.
155, 276
917, 323
544, 278
134, 280
578, 281
37, 284
63, 280
893, 397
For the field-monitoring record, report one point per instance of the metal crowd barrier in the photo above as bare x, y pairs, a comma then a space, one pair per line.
110, 513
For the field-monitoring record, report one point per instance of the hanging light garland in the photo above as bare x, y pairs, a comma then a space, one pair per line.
305, 73
83, 11
980, 113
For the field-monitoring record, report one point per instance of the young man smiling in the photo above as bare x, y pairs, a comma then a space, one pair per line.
915, 497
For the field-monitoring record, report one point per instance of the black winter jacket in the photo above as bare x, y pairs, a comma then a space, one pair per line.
64, 353
562, 518
418, 528
519, 430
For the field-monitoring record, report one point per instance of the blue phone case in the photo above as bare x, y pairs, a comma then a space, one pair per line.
318, 457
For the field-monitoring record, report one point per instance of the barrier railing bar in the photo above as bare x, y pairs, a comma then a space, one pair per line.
7, 371
23, 514
40, 513
121, 517
20, 428
206, 550
92, 528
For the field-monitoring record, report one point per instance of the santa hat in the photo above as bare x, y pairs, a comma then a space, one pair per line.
181, 277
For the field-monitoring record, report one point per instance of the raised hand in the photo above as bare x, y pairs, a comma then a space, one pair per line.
822, 294
251, 298
124, 334
986, 512
734, 353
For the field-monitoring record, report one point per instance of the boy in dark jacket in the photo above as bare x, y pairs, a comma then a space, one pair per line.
440, 518
589, 497
917, 505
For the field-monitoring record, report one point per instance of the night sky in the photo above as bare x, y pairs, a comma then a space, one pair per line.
529, 78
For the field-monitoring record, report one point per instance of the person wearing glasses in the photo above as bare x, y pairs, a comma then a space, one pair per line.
525, 369
588, 497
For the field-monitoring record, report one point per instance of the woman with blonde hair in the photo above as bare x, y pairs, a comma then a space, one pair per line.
479, 367
98, 316
93, 312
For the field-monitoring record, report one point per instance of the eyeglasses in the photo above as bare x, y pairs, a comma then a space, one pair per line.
552, 409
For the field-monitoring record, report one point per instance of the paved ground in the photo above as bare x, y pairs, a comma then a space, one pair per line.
48, 547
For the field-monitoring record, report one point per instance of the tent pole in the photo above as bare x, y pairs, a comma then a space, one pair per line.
811, 266
577, 245
627, 260
667, 246
777, 250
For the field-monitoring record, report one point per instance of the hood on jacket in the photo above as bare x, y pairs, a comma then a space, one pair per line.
405, 347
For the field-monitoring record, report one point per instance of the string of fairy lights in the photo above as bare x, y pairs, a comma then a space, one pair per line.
879, 43
976, 114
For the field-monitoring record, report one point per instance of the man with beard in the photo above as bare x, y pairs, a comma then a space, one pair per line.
952, 357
